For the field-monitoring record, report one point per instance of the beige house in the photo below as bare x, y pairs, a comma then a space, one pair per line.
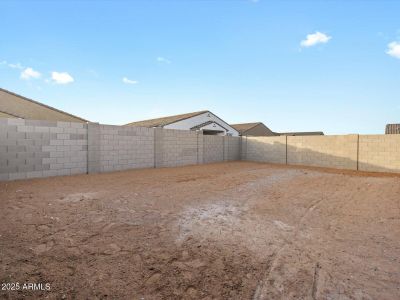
17, 106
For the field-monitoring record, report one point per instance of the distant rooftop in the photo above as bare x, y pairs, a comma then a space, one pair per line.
16, 106
300, 133
161, 122
392, 129
244, 126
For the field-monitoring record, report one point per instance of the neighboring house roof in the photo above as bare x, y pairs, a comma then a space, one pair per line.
253, 128
392, 129
16, 106
161, 122
301, 133
3, 114
244, 126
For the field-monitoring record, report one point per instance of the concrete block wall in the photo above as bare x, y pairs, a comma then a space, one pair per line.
231, 148
375, 153
40, 148
30, 148
334, 151
177, 147
124, 147
379, 153
266, 149
213, 148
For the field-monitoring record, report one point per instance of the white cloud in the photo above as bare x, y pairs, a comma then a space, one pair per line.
163, 60
129, 81
61, 77
16, 66
394, 49
29, 73
314, 39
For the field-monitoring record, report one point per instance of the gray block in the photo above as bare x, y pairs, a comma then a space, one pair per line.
25, 142
62, 136
25, 168
76, 125
4, 177
25, 155
33, 161
63, 124
8, 128
8, 169
41, 123
9, 142
34, 136
17, 175
34, 174
56, 130
41, 154
77, 136
49, 148
11, 135
43, 167
24, 128
34, 148
56, 154
15, 121
16, 161
63, 172
56, 142
42, 129
9, 155
16, 148
3, 162
56, 166
50, 173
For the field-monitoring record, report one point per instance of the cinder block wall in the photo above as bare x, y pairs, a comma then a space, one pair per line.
334, 151
375, 153
213, 148
379, 153
266, 149
232, 148
30, 148
125, 147
177, 148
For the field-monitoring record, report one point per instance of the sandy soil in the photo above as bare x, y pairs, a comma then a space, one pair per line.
221, 231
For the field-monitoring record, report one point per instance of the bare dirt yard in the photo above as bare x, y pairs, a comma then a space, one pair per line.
221, 231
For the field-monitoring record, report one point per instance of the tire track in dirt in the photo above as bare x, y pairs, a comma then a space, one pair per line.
258, 294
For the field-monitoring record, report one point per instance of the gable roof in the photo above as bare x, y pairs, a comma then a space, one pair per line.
205, 124
161, 122
392, 129
243, 127
16, 106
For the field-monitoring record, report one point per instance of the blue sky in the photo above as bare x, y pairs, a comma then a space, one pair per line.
294, 65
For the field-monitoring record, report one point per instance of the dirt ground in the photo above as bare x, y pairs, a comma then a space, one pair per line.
222, 231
